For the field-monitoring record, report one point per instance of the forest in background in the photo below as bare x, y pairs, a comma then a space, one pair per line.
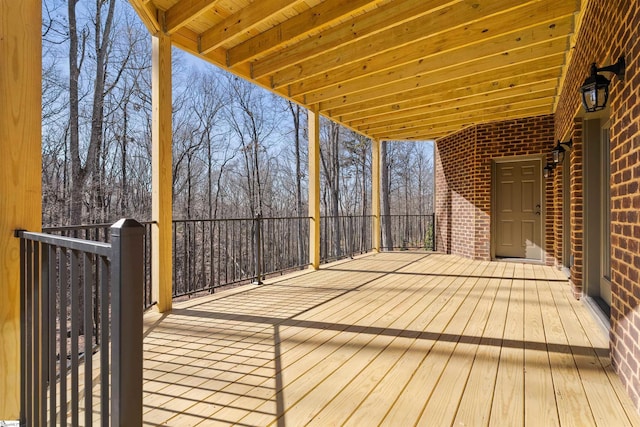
238, 150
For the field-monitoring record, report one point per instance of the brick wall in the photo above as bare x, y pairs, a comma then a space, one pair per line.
576, 209
611, 29
463, 181
455, 193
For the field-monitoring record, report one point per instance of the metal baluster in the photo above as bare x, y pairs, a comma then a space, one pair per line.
45, 278
89, 278
103, 286
37, 333
62, 269
30, 333
75, 283
53, 293
23, 331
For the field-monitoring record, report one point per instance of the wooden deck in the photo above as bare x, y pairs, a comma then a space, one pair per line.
393, 339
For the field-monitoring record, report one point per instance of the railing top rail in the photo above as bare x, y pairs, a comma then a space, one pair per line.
86, 226
345, 216
236, 219
410, 215
284, 217
98, 248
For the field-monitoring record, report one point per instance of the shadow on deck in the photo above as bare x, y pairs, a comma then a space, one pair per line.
394, 338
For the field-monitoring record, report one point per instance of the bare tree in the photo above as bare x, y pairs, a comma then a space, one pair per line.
387, 242
295, 116
330, 159
249, 115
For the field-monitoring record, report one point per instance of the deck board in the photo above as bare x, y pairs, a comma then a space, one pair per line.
392, 339
508, 402
589, 367
570, 395
475, 404
540, 400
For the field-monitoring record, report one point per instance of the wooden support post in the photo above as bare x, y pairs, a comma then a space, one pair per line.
314, 187
161, 169
20, 174
375, 193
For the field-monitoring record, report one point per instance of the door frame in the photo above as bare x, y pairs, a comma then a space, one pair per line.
543, 208
593, 189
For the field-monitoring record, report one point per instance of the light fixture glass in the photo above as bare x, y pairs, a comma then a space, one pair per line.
547, 170
557, 154
595, 89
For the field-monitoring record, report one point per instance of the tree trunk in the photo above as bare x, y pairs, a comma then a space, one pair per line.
384, 197
365, 202
77, 173
295, 113
125, 190
331, 166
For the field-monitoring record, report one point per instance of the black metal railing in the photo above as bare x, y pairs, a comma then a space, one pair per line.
345, 236
213, 253
210, 254
283, 244
101, 233
69, 290
410, 231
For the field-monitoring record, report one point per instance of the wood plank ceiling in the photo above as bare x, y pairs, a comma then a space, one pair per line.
389, 69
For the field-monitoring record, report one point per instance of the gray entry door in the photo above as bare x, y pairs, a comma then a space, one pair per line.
517, 199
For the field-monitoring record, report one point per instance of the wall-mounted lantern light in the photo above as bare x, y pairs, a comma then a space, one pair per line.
547, 171
595, 89
557, 154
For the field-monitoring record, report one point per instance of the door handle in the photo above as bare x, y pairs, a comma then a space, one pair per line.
538, 209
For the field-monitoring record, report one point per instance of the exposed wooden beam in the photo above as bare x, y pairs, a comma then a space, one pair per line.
484, 70
148, 15
389, 15
578, 21
375, 64
20, 175
453, 114
308, 22
444, 109
463, 119
432, 134
187, 40
184, 11
450, 28
458, 45
243, 20
443, 93
458, 98
429, 129
440, 69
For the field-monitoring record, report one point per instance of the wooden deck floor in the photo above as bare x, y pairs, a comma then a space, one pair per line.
393, 339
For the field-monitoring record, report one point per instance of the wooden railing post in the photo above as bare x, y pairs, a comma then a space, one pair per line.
126, 322
375, 193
